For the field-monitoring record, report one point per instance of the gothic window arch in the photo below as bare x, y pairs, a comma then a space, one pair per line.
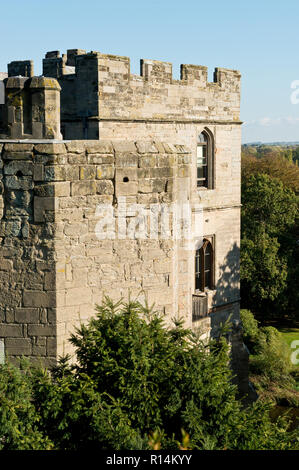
205, 160
204, 267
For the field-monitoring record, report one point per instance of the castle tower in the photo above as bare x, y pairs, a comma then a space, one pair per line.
132, 143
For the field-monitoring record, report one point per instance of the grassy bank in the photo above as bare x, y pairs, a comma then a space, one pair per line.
289, 335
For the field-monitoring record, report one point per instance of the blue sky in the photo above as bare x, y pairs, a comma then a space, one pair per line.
259, 38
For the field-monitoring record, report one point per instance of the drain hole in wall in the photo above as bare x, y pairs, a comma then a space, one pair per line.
125, 179
19, 174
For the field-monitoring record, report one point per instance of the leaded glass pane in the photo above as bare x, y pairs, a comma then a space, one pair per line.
202, 138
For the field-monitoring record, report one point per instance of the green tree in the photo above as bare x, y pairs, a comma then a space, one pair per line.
263, 271
267, 248
267, 206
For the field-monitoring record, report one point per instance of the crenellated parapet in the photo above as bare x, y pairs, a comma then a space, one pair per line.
105, 88
100, 87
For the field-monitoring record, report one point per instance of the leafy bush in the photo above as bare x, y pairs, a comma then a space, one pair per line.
271, 356
19, 421
250, 327
270, 366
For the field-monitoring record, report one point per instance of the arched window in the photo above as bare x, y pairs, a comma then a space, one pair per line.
204, 267
204, 160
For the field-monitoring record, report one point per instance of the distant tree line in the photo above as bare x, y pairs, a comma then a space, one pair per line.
289, 152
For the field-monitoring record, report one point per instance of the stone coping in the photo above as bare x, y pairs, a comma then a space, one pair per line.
93, 146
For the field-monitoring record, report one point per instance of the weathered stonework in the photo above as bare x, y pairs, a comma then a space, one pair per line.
125, 136
55, 268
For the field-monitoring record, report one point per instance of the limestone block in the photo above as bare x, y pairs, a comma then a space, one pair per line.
39, 298
33, 280
73, 230
19, 148
147, 199
98, 158
148, 161
168, 160
124, 146
71, 172
76, 146
105, 172
55, 173
79, 188
87, 172
159, 185
126, 188
105, 187
18, 346
13, 331
77, 158
50, 149
41, 330
99, 146
162, 266
50, 280
126, 160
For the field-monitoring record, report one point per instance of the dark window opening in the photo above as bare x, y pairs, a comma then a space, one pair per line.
204, 267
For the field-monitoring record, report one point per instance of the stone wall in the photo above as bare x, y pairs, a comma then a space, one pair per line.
53, 266
27, 261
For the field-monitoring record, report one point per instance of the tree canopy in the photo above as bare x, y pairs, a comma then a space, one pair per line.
270, 233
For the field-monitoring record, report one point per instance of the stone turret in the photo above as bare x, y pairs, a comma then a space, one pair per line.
32, 108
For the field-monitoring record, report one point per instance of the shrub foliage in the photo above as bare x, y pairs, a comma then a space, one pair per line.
136, 382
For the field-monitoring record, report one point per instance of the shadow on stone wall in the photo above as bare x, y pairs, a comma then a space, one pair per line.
227, 289
228, 293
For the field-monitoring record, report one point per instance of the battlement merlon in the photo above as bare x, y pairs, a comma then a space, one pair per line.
23, 68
